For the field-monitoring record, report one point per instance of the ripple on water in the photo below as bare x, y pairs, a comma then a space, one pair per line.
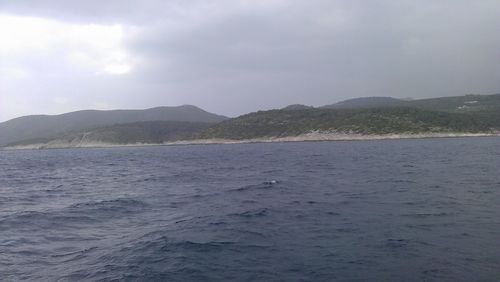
323, 211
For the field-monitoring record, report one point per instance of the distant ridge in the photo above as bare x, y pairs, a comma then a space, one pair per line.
368, 102
295, 107
44, 126
370, 121
455, 104
368, 116
144, 132
365, 118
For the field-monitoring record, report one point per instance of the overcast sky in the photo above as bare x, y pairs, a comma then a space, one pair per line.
233, 57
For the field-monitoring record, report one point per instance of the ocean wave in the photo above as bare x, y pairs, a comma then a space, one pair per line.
79, 213
252, 213
46, 220
106, 206
263, 185
427, 215
156, 257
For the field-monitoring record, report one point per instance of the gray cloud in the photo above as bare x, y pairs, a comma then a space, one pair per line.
233, 57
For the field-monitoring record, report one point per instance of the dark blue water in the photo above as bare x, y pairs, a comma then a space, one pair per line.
400, 210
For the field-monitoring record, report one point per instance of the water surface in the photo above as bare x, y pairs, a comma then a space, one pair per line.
393, 210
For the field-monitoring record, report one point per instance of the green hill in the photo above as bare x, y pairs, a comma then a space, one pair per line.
362, 116
460, 104
368, 102
151, 132
47, 126
282, 123
457, 104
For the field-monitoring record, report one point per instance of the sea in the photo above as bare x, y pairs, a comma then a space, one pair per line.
385, 210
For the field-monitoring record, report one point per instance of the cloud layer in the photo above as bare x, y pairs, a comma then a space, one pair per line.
233, 57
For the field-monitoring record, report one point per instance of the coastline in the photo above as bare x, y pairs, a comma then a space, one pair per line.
312, 136
315, 136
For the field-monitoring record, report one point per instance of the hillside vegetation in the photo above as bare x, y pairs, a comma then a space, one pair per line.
281, 123
457, 104
469, 114
151, 132
48, 126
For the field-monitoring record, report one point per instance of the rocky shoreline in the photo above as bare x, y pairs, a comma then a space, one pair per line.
313, 136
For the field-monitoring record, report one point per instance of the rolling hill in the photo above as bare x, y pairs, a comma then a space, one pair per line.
368, 102
146, 132
391, 120
46, 126
455, 104
371, 116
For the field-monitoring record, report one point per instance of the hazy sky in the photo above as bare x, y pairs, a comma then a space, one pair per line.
233, 57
